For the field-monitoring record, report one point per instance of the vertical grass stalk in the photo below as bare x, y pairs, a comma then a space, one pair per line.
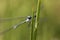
36, 22
32, 28
37, 19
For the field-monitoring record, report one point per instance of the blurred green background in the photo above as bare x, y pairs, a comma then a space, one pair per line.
49, 27
12, 9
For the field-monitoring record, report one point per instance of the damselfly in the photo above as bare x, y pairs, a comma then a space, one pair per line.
28, 19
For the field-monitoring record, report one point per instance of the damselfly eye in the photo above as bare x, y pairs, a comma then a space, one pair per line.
29, 17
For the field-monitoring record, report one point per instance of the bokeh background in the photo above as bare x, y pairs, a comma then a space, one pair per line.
49, 27
13, 9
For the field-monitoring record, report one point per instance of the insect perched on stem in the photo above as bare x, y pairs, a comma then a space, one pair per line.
17, 25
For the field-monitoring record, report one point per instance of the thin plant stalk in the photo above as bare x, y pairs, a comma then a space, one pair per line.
37, 19
32, 28
35, 23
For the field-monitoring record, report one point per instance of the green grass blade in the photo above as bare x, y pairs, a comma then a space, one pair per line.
37, 19
35, 22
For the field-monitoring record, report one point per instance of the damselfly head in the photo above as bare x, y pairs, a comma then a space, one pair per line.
29, 17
